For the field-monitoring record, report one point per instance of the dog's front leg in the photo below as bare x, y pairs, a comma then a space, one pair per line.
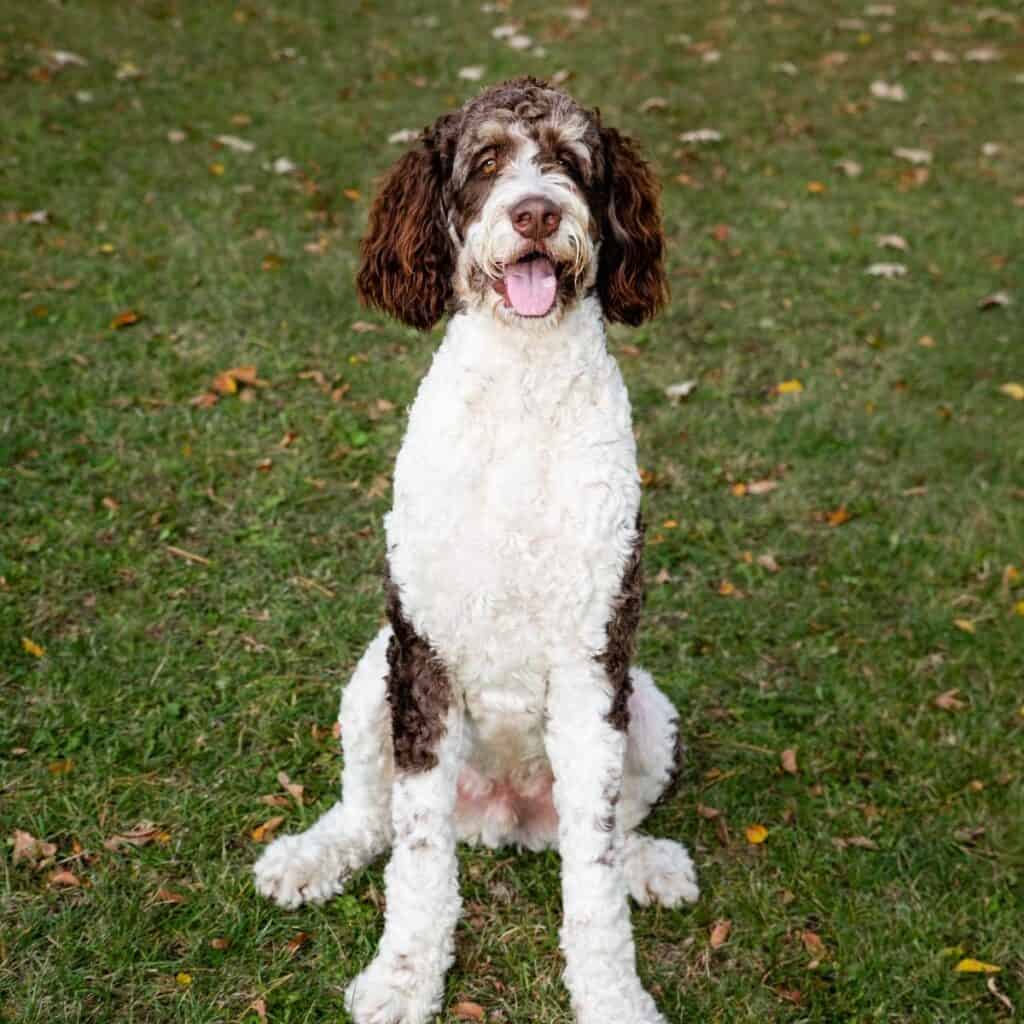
587, 753
405, 982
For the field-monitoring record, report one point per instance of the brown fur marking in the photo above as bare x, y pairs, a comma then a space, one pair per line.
418, 691
621, 631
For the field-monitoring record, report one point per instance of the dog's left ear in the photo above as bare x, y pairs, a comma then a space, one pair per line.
630, 272
407, 258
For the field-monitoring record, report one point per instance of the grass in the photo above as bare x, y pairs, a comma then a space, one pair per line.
173, 690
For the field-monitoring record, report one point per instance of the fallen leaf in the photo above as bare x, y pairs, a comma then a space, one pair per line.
891, 91
790, 995
788, 761
813, 944
838, 516
220, 943
768, 562
756, 834
817, 188
677, 392
1013, 390
176, 136
297, 942
282, 165
217, 169
965, 626
762, 486
235, 144
701, 136
887, 270
914, 156
352, 194
363, 327
720, 933
183, 979
61, 767
861, 842
473, 73
127, 72
850, 168
983, 55
265, 832
468, 1011
948, 701
167, 896
125, 319
789, 387
259, 1007
64, 879
141, 835
971, 966
28, 848
293, 789
31, 647
403, 136
653, 103
892, 242
994, 301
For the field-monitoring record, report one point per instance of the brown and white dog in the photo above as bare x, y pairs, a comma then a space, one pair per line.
499, 706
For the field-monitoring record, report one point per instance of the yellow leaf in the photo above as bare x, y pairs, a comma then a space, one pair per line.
756, 834
964, 624
183, 979
971, 966
1013, 390
125, 319
352, 194
217, 169
1019, 607
32, 648
670, 524
838, 516
816, 188
789, 387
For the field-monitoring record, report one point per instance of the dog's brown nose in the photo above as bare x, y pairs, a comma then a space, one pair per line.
535, 217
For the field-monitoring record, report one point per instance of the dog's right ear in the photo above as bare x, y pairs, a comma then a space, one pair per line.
407, 257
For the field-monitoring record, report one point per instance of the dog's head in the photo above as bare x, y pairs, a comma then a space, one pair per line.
519, 204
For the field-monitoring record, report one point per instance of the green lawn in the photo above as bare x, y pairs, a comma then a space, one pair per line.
198, 578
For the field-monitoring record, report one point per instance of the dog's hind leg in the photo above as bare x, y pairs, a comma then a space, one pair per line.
656, 870
314, 865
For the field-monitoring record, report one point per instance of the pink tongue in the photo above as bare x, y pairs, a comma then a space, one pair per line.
530, 285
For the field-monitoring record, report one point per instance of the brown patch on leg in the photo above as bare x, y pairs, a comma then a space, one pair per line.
621, 630
418, 691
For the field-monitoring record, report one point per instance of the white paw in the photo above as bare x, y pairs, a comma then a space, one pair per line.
299, 869
660, 871
394, 990
632, 1005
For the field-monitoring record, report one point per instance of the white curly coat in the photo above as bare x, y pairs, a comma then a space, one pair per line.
516, 494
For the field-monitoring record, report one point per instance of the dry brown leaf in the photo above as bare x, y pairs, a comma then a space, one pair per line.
708, 812
466, 1010
27, 848
768, 562
259, 1007
949, 701
762, 486
167, 896
363, 327
861, 842
292, 788
990, 984
788, 760
297, 942
141, 835
720, 933
813, 944
64, 879
220, 943
275, 799
265, 832
994, 301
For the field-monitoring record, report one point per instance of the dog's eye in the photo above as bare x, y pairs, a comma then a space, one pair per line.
488, 166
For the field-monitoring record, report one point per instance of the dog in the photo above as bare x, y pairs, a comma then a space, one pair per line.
499, 706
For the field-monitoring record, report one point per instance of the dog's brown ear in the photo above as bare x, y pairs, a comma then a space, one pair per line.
630, 272
407, 259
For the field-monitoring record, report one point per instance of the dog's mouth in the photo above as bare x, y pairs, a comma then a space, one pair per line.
530, 285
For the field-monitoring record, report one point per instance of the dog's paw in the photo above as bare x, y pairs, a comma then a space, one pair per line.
660, 871
299, 869
631, 1005
394, 990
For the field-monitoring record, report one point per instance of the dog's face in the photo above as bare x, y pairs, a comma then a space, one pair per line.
519, 204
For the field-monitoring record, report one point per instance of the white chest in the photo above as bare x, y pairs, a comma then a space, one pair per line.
516, 493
